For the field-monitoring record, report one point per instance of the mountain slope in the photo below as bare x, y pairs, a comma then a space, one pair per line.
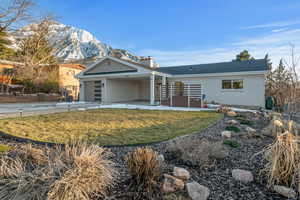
74, 44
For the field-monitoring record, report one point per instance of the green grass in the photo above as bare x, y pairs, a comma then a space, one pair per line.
109, 126
4, 148
231, 143
233, 128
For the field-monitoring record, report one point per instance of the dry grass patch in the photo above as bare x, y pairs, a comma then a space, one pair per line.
283, 160
77, 172
109, 126
144, 166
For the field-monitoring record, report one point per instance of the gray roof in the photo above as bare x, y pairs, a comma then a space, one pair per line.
224, 67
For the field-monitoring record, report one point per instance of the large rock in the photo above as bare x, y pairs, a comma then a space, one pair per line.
231, 114
172, 184
226, 134
161, 158
232, 122
242, 175
181, 173
197, 191
250, 130
285, 191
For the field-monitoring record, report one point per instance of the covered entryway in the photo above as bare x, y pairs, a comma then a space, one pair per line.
179, 94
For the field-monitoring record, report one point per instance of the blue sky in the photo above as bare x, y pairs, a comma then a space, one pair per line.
178, 32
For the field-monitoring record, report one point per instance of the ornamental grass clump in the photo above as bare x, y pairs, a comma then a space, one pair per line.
283, 160
31, 156
77, 172
145, 168
88, 173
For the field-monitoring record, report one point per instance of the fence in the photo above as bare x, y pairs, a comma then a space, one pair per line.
181, 95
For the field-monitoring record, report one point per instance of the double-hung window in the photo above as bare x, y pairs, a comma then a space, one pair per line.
232, 84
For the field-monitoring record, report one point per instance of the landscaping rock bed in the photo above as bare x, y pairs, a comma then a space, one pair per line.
216, 179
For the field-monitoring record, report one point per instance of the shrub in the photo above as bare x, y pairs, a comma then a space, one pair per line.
283, 160
231, 143
246, 122
233, 128
77, 171
197, 152
89, 173
26, 186
144, 166
30, 155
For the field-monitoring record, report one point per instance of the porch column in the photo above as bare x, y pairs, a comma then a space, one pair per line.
81, 91
164, 80
152, 89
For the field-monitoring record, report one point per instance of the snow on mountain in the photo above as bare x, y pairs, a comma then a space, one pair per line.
75, 44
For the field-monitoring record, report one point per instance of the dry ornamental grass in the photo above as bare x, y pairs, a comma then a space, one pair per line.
77, 172
144, 166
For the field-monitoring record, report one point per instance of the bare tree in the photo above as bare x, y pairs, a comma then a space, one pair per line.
13, 11
293, 96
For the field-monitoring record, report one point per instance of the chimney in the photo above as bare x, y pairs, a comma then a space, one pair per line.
149, 61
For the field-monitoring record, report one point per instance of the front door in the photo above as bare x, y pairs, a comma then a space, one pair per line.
98, 91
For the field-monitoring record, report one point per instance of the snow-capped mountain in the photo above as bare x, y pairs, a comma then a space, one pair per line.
75, 44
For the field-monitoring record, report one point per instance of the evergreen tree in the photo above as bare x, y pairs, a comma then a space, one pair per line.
244, 55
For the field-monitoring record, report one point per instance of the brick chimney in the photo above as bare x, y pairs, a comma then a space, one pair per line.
149, 61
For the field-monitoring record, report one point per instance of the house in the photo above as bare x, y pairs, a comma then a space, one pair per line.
65, 74
114, 79
68, 83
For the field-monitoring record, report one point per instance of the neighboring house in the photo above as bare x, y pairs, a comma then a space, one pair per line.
68, 84
112, 79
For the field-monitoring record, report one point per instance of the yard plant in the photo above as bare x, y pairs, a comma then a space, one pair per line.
109, 126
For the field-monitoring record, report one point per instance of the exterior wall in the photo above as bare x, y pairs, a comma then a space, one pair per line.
253, 93
121, 90
144, 90
109, 66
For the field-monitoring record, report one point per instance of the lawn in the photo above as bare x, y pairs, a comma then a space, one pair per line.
109, 126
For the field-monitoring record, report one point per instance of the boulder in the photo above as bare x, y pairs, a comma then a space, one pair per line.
231, 114
250, 130
226, 134
242, 175
232, 122
172, 184
197, 191
285, 191
278, 123
161, 158
181, 173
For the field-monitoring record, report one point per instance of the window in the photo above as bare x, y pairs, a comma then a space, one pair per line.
179, 88
232, 84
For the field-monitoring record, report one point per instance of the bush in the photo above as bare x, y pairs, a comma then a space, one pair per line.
31, 156
197, 152
144, 166
88, 173
246, 122
231, 143
283, 160
78, 171
233, 128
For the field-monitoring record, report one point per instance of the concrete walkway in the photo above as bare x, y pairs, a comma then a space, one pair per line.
26, 109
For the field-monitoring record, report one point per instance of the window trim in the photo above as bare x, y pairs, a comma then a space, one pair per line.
232, 81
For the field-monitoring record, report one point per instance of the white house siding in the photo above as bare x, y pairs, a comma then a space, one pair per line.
144, 90
253, 93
